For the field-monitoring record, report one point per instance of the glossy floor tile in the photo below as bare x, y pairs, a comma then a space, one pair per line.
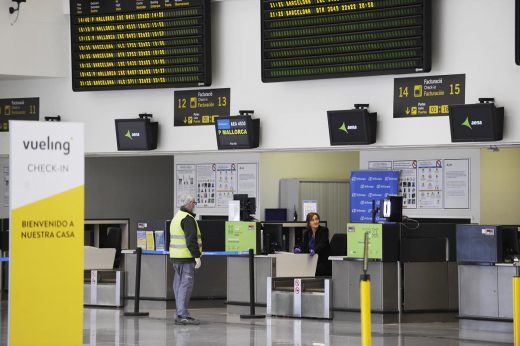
103, 327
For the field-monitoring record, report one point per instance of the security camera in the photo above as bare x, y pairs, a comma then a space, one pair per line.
18, 2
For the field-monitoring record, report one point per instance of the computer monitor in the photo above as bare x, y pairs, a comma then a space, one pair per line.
247, 206
136, 134
391, 208
510, 247
272, 238
275, 214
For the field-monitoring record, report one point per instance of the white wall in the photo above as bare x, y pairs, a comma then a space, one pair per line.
35, 45
475, 37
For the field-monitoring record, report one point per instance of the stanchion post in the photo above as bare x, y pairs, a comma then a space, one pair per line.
364, 291
516, 309
137, 291
252, 287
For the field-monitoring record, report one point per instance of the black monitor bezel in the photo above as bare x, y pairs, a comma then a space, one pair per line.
366, 126
251, 133
493, 121
149, 140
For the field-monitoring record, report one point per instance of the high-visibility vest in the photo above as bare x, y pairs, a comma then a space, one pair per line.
178, 247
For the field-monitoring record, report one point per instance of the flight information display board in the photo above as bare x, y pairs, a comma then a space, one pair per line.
138, 44
312, 39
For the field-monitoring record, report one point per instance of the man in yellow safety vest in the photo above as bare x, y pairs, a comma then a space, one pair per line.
185, 252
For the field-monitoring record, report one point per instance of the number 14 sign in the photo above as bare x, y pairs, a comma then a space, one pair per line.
428, 95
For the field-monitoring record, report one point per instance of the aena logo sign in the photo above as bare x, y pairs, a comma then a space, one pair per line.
344, 127
131, 135
470, 123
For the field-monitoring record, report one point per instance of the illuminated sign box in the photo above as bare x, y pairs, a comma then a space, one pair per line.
355, 126
476, 122
136, 134
237, 132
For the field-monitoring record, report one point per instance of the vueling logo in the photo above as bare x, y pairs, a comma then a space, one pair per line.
131, 135
344, 127
471, 123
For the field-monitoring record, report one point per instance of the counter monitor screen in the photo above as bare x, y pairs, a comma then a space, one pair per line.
314, 39
137, 44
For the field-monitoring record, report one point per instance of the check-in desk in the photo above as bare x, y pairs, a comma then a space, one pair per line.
414, 271
485, 279
383, 268
157, 277
429, 268
273, 265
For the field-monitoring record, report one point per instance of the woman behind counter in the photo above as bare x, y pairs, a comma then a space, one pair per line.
316, 241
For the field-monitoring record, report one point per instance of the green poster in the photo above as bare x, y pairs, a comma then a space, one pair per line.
240, 236
356, 240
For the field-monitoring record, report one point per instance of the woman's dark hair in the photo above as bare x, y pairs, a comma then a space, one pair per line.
309, 218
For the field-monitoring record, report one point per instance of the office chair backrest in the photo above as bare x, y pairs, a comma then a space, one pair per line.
338, 245
113, 240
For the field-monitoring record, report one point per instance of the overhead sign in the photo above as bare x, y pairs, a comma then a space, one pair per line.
18, 109
200, 107
428, 95
46, 166
310, 39
135, 44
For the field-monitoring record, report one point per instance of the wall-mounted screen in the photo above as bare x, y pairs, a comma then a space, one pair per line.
355, 126
136, 134
476, 122
311, 39
237, 132
137, 44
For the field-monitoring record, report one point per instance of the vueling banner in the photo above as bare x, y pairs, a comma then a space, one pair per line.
46, 167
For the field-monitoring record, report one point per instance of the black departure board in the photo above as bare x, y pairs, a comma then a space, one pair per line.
138, 44
311, 39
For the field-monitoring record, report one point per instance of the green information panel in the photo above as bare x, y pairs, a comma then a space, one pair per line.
240, 236
356, 240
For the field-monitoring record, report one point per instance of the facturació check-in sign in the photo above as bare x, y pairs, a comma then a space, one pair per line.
47, 215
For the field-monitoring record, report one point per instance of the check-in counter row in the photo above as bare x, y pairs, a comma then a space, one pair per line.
415, 271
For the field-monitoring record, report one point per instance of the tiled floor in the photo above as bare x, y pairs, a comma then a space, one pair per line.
110, 327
